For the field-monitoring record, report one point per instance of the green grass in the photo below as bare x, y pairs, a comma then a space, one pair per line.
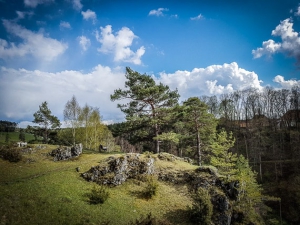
40, 191
14, 137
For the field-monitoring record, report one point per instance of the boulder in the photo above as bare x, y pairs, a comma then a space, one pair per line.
115, 171
65, 153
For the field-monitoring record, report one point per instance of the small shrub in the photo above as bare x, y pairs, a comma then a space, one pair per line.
151, 187
11, 154
99, 194
202, 209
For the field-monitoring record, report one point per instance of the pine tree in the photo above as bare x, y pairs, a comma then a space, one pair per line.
222, 158
146, 102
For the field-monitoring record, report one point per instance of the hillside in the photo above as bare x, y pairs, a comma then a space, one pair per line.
38, 190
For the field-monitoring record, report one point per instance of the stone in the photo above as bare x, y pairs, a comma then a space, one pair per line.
115, 171
65, 153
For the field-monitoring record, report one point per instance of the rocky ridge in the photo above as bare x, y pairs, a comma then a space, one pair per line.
116, 170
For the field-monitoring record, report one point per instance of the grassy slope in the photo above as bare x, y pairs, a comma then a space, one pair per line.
47, 192
14, 136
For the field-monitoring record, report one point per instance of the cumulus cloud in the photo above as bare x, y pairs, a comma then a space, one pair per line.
77, 5
89, 15
84, 42
119, 44
199, 17
64, 25
34, 3
212, 80
22, 91
287, 84
35, 44
157, 12
289, 45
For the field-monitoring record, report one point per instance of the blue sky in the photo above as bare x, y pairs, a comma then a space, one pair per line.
53, 49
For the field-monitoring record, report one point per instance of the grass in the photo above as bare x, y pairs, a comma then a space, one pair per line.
14, 137
40, 191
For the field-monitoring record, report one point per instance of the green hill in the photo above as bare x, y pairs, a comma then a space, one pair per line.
38, 190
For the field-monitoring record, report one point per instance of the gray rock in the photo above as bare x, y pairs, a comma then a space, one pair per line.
65, 153
115, 171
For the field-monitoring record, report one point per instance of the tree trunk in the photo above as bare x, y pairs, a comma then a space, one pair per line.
198, 149
156, 141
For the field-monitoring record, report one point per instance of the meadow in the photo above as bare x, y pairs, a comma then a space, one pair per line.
38, 190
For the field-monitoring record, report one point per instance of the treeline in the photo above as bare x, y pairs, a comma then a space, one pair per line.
7, 126
266, 127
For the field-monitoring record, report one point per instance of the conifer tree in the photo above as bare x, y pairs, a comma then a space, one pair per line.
146, 101
44, 118
222, 158
200, 124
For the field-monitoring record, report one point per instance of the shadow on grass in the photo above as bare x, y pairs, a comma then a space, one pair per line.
178, 216
141, 194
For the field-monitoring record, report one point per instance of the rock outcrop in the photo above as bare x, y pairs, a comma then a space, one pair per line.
116, 170
65, 153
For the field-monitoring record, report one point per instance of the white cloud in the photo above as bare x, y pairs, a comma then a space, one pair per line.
269, 48
34, 3
89, 15
77, 5
25, 90
199, 17
157, 12
297, 13
212, 80
64, 25
119, 44
84, 42
35, 44
287, 84
289, 45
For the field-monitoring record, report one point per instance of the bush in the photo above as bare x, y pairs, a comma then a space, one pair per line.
151, 187
11, 154
99, 194
202, 209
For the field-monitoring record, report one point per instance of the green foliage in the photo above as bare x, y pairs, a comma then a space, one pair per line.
170, 136
151, 187
10, 154
147, 102
250, 192
200, 125
202, 209
22, 135
99, 194
222, 158
44, 118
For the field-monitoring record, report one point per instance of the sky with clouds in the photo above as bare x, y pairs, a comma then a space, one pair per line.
51, 50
